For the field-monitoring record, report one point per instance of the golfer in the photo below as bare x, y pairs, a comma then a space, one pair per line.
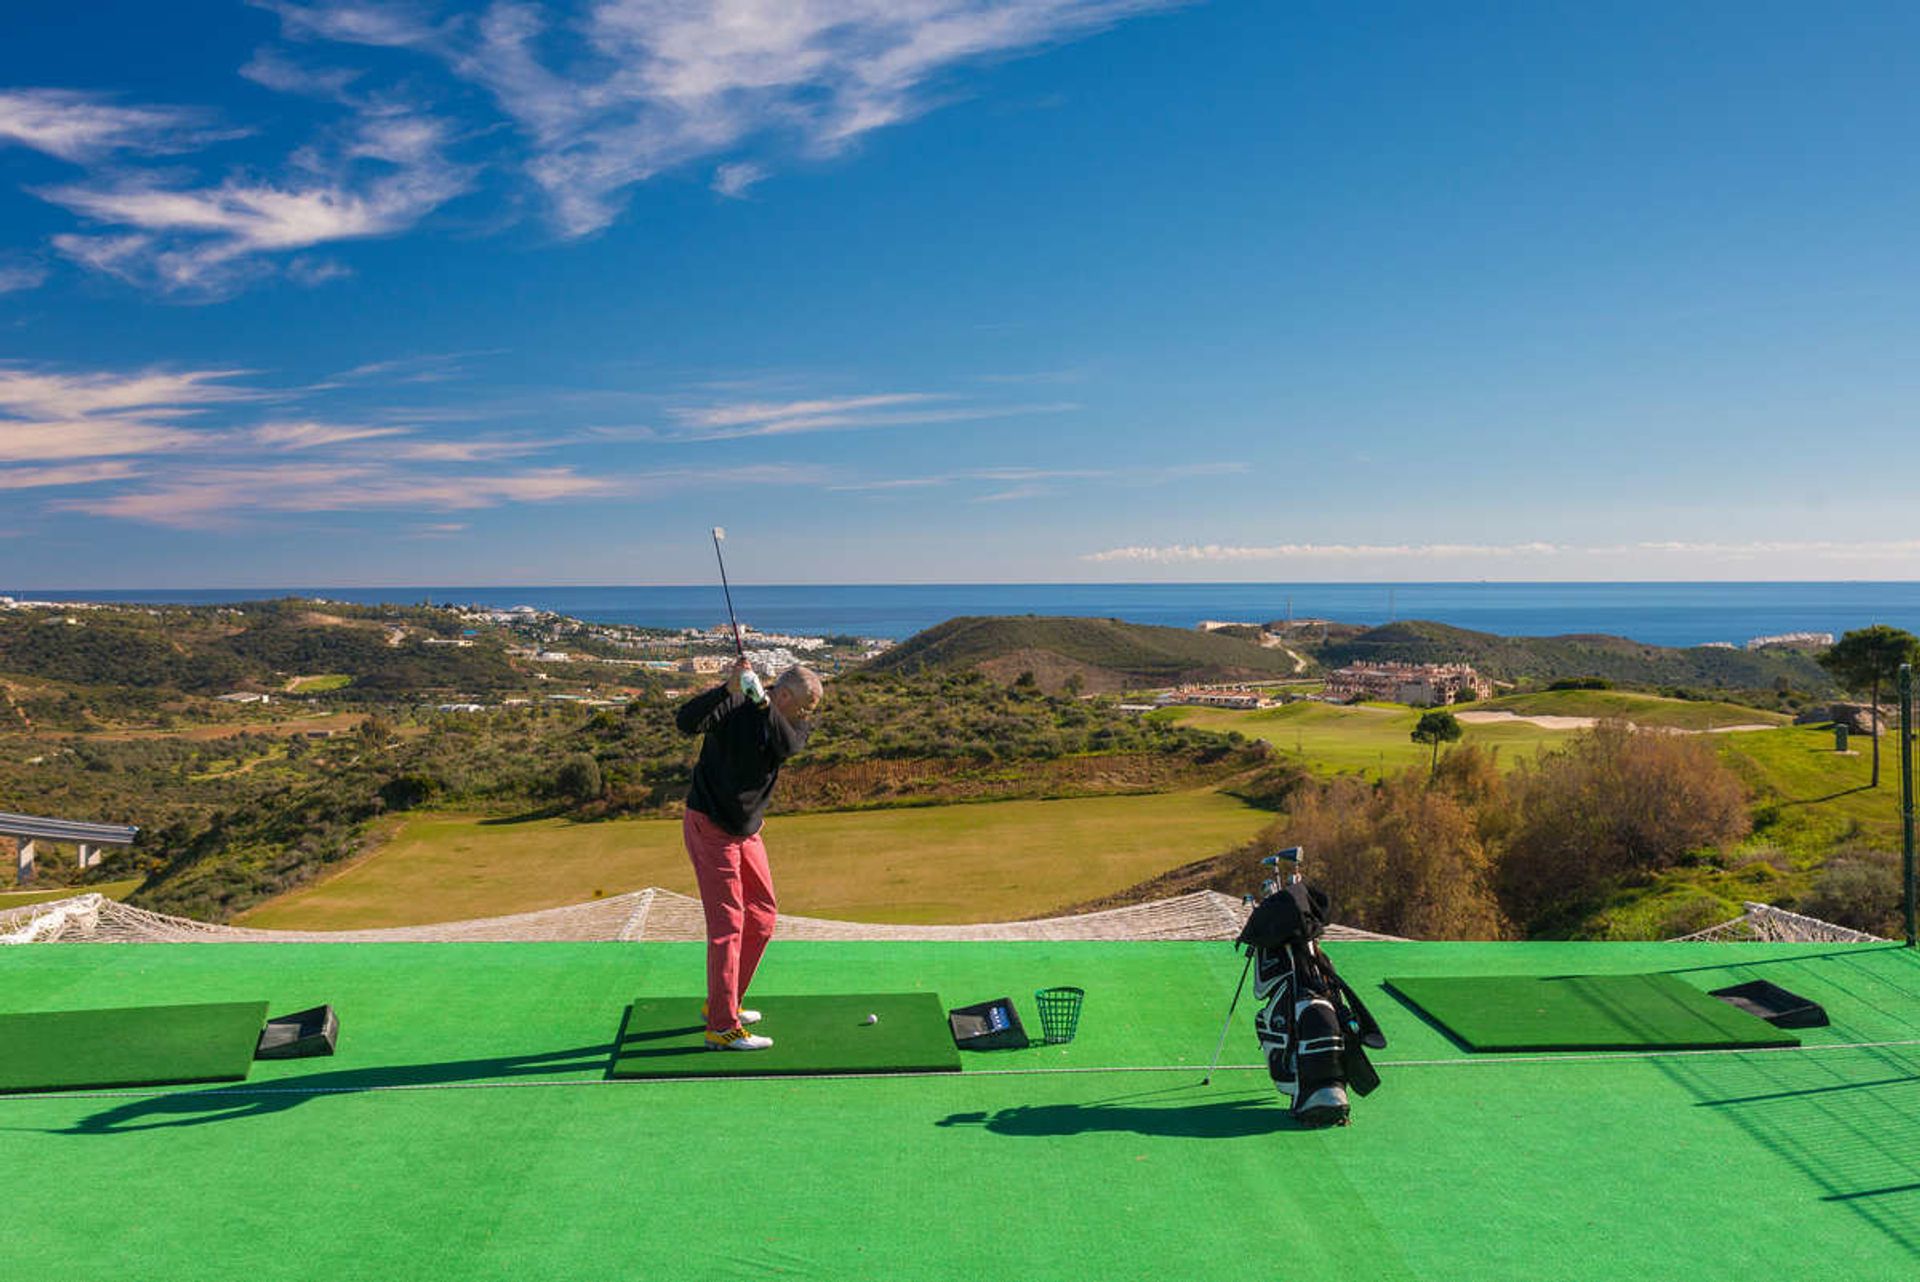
739, 761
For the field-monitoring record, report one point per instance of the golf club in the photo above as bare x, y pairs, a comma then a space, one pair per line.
749, 680
1232, 1006
1291, 857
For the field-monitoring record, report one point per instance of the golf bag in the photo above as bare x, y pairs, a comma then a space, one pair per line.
1312, 1027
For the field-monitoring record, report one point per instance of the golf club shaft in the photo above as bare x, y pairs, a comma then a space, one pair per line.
1231, 1007
739, 648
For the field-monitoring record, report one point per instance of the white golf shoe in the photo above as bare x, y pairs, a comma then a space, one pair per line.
737, 1039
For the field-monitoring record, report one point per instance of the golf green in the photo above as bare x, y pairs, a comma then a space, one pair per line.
665, 1037
129, 1046
1584, 1012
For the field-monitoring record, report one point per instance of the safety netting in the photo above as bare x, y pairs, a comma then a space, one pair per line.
650, 914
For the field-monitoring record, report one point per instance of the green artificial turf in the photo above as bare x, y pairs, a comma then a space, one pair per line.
467, 1129
1584, 1013
666, 1037
129, 1046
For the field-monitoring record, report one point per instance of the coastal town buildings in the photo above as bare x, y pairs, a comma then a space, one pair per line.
1421, 684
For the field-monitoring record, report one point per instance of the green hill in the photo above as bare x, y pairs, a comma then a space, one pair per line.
1616, 659
1106, 654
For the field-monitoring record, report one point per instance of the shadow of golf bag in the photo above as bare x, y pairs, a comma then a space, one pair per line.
1313, 1028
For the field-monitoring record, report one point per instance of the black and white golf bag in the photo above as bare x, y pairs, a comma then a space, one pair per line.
1313, 1028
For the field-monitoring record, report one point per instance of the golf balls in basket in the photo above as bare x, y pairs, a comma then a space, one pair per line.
873, 1019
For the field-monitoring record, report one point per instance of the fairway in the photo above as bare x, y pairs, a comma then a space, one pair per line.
992, 861
1338, 739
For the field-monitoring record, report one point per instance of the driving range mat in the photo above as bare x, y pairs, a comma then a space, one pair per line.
665, 1037
1584, 1013
129, 1046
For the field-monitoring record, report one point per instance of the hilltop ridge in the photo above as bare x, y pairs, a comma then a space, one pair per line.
1105, 654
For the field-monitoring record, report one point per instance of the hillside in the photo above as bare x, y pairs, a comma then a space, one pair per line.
1550, 658
1105, 654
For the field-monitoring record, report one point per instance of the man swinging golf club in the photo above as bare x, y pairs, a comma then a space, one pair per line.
748, 734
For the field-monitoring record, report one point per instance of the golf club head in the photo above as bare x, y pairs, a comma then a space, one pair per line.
719, 533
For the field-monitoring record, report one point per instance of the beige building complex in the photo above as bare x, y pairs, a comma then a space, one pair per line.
1421, 684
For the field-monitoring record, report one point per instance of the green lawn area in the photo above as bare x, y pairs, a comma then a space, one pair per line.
1807, 796
1336, 739
1641, 709
986, 862
111, 889
319, 684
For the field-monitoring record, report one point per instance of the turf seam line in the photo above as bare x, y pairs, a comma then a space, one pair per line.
797, 1078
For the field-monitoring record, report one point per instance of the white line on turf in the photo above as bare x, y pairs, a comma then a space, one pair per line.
799, 1078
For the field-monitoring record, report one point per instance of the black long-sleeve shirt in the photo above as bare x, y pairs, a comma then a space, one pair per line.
739, 758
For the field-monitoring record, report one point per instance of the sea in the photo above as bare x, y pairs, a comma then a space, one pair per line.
1671, 614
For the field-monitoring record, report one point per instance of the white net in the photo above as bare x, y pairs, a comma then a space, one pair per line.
650, 914
1763, 923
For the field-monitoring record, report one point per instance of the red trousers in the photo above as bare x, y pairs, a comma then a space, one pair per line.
736, 891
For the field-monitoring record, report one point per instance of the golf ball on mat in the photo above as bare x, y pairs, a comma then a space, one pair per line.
873, 1019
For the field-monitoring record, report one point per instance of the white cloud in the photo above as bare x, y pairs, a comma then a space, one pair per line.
18, 276
41, 395
24, 478
88, 438
219, 496
307, 436
84, 127
733, 180
617, 91
378, 175
1178, 553
729, 420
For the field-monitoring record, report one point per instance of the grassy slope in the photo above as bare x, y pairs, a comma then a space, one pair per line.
986, 862
1332, 739
1641, 709
111, 889
1617, 658
1137, 652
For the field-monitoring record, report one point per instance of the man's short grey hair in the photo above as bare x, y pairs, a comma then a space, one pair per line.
803, 683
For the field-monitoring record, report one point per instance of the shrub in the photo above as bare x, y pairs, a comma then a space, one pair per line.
1858, 887
1399, 858
1615, 804
579, 778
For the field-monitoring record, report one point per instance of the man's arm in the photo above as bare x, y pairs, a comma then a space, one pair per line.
706, 710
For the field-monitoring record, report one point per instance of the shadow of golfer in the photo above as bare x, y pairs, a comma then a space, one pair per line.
1224, 1119
235, 1101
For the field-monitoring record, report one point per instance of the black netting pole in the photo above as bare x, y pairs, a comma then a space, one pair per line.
1906, 797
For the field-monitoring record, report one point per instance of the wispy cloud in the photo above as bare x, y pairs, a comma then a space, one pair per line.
309, 435
1178, 553
728, 420
1032, 482
18, 276
610, 94
45, 416
1564, 554
84, 127
733, 180
218, 497
388, 172
26, 478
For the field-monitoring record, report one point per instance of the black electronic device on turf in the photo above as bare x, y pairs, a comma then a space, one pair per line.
988, 1026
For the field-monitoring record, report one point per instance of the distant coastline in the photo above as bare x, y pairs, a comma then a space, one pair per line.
1670, 614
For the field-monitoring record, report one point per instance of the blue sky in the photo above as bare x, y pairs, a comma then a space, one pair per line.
942, 290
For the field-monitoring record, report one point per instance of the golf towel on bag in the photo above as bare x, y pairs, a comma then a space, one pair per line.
1312, 1027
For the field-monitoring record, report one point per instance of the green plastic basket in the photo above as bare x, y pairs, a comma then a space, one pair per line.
1059, 1013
